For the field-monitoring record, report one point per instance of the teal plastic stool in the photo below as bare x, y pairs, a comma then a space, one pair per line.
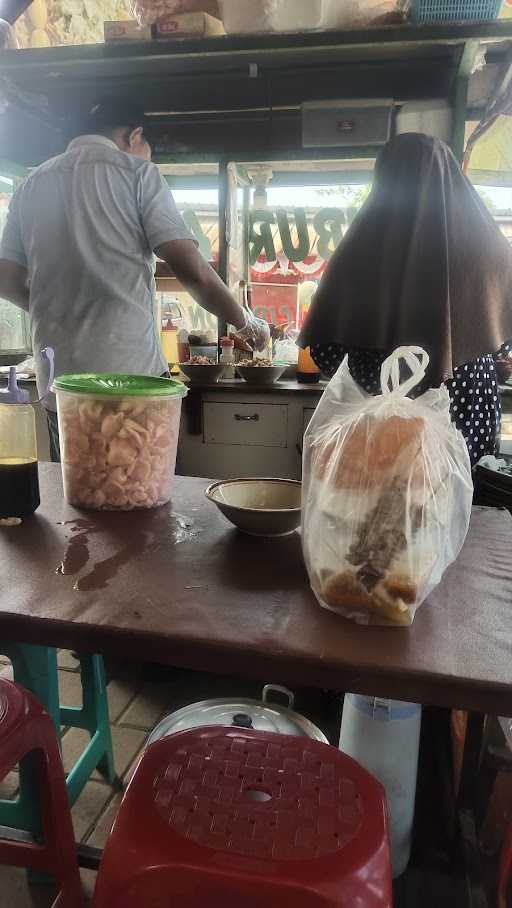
35, 667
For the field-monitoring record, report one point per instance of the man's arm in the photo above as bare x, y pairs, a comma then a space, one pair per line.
168, 236
14, 284
201, 281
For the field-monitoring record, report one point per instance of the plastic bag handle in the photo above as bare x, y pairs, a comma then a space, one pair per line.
416, 358
49, 355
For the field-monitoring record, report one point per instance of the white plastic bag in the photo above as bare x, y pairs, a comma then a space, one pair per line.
286, 351
387, 494
355, 13
297, 15
244, 16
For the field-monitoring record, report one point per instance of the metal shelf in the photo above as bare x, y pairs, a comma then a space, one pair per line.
274, 50
201, 92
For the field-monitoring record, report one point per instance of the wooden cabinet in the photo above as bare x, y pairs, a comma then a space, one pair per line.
228, 432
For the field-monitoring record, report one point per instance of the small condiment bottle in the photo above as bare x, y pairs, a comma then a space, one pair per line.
170, 343
183, 345
227, 356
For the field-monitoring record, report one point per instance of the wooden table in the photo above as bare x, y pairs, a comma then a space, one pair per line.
181, 587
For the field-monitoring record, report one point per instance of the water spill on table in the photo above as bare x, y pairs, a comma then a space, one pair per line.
105, 570
167, 529
76, 555
78, 523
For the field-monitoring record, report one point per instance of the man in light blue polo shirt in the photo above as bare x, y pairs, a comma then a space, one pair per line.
77, 254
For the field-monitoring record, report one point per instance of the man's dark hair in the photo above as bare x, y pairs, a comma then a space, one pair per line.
108, 115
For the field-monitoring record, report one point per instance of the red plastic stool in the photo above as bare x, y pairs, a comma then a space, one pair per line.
216, 817
505, 869
26, 730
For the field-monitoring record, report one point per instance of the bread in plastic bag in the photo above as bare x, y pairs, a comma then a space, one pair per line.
387, 494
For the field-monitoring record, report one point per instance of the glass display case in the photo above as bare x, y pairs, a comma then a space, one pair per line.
195, 188
298, 213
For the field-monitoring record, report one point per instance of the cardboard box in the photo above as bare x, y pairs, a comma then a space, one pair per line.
126, 31
188, 25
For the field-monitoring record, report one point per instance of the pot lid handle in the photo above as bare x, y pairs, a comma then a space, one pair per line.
242, 720
277, 688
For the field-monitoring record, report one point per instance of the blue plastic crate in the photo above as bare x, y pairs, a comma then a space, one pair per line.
454, 10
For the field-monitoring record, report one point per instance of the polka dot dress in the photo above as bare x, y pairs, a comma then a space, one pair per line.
475, 401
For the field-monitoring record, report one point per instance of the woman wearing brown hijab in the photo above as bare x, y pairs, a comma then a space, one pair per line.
423, 264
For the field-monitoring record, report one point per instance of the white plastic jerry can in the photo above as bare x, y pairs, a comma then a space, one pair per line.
384, 737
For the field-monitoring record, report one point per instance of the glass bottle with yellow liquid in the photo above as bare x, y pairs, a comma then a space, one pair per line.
19, 479
170, 348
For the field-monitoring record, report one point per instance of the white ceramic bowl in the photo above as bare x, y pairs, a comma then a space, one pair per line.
260, 507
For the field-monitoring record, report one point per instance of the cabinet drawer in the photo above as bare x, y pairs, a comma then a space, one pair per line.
245, 424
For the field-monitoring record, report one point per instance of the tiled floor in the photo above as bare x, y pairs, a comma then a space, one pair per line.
137, 702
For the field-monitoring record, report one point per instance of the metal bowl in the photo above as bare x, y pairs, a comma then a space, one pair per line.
206, 375
263, 375
259, 507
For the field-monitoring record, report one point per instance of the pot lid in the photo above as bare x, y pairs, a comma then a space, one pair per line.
113, 385
243, 713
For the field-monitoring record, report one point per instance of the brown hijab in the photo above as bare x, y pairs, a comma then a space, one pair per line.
423, 264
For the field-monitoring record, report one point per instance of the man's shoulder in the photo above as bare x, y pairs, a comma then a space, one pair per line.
56, 163
44, 167
114, 159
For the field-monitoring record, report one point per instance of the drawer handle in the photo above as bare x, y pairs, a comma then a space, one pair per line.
241, 418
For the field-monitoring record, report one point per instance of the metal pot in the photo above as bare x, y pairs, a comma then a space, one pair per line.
243, 713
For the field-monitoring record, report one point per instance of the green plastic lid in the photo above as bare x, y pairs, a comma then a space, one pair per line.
108, 385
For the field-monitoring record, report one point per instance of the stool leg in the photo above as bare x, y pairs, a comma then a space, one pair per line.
94, 683
94, 718
59, 840
99, 705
